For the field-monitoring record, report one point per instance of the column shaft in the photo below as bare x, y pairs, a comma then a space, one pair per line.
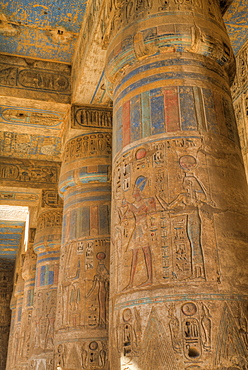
180, 199
6, 287
82, 315
47, 247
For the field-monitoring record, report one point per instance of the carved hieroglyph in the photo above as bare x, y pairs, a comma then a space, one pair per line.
179, 225
83, 290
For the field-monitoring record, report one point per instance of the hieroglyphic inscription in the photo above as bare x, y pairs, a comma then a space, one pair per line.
35, 79
165, 224
29, 145
30, 117
88, 145
29, 172
91, 117
85, 273
49, 219
51, 198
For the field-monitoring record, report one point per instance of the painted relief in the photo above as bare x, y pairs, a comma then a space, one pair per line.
37, 79
87, 145
40, 173
86, 355
29, 146
44, 313
172, 109
232, 350
128, 334
163, 226
51, 199
30, 117
141, 209
84, 288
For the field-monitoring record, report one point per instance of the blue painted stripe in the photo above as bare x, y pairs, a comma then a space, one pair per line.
168, 63
170, 76
118, 130
104, 219
146, 114
187, 108
135, 118
88, 199
157, 112
42, 260
84, 225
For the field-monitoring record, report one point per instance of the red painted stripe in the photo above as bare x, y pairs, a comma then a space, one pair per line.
94, 229
92, 169
126, 123
171, 109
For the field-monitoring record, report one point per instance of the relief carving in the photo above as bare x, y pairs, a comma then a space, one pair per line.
51, 199
26, 171
33, 78
91, 117
87, 145
141, 210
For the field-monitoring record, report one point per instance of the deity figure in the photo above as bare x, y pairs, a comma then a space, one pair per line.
140, 238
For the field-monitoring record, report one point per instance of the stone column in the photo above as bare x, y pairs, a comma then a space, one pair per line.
179, 211
14, 348
6, 286
11, 333
28, 275
47, 247
82, 314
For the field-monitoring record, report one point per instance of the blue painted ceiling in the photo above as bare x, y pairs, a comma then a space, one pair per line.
236, 20
48, 29
45, 29
11, 234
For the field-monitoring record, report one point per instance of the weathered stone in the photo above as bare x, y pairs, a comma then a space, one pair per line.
177, 218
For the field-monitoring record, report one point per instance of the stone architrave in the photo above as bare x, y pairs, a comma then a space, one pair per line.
180, 199
6, 286
83, 290
47, 248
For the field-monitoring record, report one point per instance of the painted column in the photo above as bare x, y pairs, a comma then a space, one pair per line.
47, 248
28, 275
14, 347
179, 204
82, 313
6, 287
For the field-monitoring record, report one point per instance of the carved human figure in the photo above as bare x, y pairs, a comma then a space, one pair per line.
101, 283
189, 201
141, 209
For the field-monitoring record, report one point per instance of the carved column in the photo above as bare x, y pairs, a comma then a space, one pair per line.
14, 348
28, 274
179, 212
82, 314
240, 101
6, 286
47, 247
11, 332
